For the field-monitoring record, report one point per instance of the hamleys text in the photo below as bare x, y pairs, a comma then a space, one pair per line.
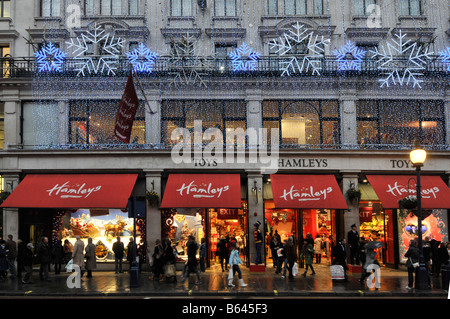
198, 191
67, 191
308, 194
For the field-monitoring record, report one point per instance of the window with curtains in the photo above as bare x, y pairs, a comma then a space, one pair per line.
360, 7
50, 8
89, 7
225, 8
111, 7
226, 115
5, 8
318, 7
410, 7
5, 53
180, 8
295, 7
93, 122
393, 123
272, 7
306, 123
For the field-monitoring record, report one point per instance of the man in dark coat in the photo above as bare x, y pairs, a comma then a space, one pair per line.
339, 256
118, 249
353, 241
291, 256
11, 256
44, 257
192, 263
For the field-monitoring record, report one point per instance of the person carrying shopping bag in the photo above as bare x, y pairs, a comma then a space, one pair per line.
234, 262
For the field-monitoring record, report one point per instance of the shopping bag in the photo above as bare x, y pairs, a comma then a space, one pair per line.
230, 274
69, 266
295, 269
337, 272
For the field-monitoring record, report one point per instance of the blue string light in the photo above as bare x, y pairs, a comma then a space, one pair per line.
50, 59
142, 59
445, 57
244, 58
350, 57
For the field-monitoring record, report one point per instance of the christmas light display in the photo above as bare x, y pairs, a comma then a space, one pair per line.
350, 57
445, 57
49, 58
308, 61
103, 61
244, 58
142, 58
402, 62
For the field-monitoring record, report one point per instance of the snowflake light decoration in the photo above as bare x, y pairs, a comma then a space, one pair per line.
244, 58
106, 61
49, 58
445, 57
350, 57
402, 62
142, 58
187, 67
308, 61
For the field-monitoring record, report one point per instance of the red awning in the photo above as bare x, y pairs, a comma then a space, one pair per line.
391, 188
72, 191
307, 191
202, 191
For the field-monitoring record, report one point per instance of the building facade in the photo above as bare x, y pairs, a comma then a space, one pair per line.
342, 88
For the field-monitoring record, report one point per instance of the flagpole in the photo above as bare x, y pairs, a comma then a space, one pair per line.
142, 89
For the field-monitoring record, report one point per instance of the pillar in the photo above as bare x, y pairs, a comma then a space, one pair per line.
153, 118
10, 215
255, 206
352, 215
254, 112
12, 121
63, 122
348, 120
447, 116
153, 220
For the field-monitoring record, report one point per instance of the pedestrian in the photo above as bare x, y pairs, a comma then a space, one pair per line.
118, 250
58, 256
203, 255
291, 256
412, 262
274, 246
258, 242
44, 257
3, 261
353, 242
68, 250
318, 249
27, 260
369, 258
21, 248
170, 259
78, 254
339, 256
308, 253
11, 256
223, 252
441, 258
91, 258
192, 263
142, 249
234, 262
362, 250
157, 260
131, 251
282, 256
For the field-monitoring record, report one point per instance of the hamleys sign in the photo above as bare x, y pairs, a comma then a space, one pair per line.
202, 191
66, 190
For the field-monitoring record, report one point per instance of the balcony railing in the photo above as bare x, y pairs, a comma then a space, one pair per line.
25, 67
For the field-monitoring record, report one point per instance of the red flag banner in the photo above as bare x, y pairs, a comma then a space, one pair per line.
126, 112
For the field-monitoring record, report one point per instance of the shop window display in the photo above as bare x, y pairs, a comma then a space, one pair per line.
434, 227
103, 226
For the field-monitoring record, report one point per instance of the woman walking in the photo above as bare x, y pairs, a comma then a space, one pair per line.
308, 254
412, 262
91, 259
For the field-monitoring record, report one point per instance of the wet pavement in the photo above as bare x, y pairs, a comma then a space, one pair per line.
213, 284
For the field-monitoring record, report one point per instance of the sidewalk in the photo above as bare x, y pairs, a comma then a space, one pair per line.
214, 284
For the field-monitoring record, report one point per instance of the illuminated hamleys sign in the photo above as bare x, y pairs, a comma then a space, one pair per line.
72, 191
306, 193
402, 191
202, 190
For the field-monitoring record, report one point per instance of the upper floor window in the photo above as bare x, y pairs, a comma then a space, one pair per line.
5, 9
89, 7
133, 7
318, 7
225, 8
295, 7
180, 8
272, 7
360, 7
50, 8
410, 7
111, 7
6, 62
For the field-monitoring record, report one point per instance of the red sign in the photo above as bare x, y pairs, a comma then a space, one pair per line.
307, 191
202, 191
365, 215
391, 188
72, 191
227, 213
127, 111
